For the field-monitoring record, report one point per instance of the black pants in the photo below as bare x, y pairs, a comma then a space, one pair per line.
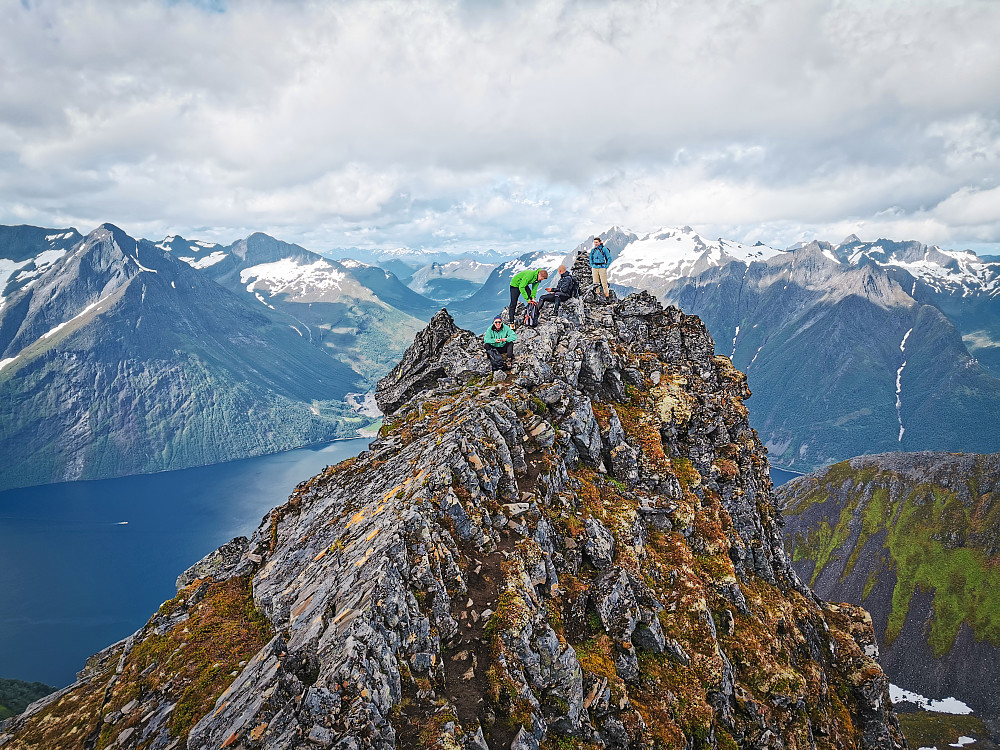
554, 297
512, 310
497, 353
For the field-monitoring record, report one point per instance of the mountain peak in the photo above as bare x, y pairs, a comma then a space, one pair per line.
584, 548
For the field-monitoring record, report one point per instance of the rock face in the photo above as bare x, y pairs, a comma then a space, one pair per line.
581, 554
915, 539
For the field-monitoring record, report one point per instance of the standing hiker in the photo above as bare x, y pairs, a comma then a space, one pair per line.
499, 340
566, 287
524, 284
600, 259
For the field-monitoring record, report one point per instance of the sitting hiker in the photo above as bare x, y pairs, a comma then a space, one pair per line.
566, 287
499, 340
524, 284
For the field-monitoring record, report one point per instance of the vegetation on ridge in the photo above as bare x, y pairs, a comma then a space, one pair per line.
936, 543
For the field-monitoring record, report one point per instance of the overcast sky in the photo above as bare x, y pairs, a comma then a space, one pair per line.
519, 125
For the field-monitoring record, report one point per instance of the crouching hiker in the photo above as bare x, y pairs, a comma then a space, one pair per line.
566, 287
499, 340
524, 284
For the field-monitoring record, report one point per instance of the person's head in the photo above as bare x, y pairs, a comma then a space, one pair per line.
498, 322
562, 270
597, 241
543, 274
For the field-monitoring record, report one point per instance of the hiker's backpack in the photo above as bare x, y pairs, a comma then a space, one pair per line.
531, 314
574, 286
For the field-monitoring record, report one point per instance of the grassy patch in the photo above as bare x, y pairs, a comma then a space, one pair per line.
932, 729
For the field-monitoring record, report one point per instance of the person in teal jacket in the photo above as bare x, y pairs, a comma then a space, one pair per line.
499, 339
524, 284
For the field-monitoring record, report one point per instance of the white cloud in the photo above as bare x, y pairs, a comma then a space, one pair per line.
502, 124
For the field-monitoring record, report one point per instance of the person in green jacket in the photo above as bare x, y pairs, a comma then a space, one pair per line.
499, 339
524, 284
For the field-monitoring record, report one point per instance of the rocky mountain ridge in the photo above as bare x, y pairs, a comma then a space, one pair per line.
583, 554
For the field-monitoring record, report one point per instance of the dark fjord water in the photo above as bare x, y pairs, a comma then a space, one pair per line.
75, 579
780, 476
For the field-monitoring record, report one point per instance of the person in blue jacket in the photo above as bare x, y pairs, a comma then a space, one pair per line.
499, 339
600, 259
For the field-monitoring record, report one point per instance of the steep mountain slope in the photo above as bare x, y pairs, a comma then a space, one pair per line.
841, 356
915, 539
584, 555
120, 359
361, 315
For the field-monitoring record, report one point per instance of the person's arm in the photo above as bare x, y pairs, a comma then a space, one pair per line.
534, 287
490, 337
526, 284
510, 333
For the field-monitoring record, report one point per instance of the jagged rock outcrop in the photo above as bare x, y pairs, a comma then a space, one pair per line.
915, 539
581, 554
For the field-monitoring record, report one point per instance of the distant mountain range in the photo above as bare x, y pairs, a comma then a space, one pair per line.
413, 257
450, 280
850, 348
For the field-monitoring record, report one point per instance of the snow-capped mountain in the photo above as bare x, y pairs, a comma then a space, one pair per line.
360, 314
666, 255
953, 272
850, 348
120, 359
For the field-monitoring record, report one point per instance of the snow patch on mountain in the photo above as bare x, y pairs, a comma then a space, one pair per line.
209, 260
351, 263
8, 268
80, 314
291, 276
944, 705
899, 385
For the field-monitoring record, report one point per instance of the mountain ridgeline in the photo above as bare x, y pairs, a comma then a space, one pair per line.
915, 539
582, 554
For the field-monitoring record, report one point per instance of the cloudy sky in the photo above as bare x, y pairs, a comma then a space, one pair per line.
517, 125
